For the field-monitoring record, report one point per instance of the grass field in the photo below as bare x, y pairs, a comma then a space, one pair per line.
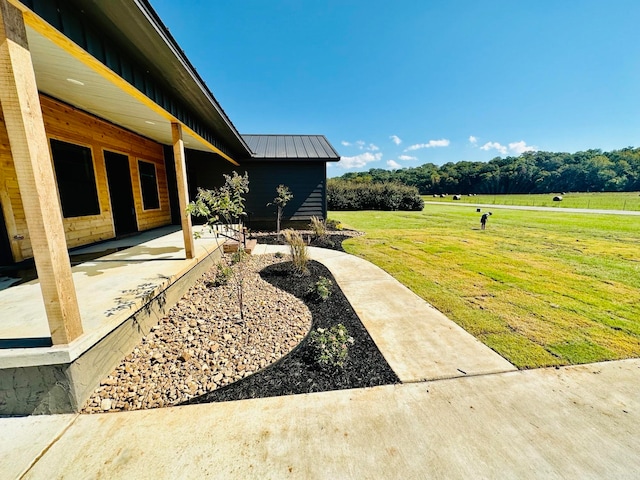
604, 201
540, 288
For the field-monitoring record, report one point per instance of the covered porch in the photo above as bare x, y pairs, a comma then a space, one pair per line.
96, 106
120, 297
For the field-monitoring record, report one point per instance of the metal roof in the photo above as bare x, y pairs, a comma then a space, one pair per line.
311, 147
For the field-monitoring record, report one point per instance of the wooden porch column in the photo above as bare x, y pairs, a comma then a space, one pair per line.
34, 169
183, 191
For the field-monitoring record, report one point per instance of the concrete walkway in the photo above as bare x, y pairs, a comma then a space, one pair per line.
574, 422
418, 341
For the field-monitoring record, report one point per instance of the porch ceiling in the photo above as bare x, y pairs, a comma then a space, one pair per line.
72, 79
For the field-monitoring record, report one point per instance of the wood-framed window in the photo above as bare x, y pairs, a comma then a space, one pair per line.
76, 179
148, 185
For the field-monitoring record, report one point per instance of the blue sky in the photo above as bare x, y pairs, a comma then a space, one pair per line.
399, 84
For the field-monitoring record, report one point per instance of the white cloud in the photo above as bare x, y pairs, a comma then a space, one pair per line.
361, 145
407, 157
473, 140
432, 143
395, 139
496, 146
439, 143
521, 147
393, 164
514, 147
359, 160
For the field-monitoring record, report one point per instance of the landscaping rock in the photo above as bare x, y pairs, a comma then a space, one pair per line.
200, 344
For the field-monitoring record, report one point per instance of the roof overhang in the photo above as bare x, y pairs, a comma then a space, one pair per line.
67, 72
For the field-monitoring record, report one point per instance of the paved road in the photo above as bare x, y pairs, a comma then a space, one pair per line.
541, 209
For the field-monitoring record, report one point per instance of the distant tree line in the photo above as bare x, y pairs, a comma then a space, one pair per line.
531, 172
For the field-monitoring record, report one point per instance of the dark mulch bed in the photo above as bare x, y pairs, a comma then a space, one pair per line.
297, 372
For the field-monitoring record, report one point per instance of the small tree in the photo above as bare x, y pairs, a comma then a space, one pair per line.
225, 205
281, 200
222, 205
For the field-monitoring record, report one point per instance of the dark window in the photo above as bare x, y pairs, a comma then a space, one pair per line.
76, 179
149, 185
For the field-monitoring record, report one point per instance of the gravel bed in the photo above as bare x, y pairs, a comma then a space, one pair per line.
202, 344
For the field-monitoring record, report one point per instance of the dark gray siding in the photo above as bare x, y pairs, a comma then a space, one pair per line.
306, 180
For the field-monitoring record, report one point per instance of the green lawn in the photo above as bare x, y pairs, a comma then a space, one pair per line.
540, 288
605, 201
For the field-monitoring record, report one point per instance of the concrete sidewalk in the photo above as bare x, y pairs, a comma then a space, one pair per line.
418, 341
477, 417
577, 422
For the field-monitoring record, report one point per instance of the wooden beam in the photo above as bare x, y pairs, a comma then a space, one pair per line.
183, 191
34, 170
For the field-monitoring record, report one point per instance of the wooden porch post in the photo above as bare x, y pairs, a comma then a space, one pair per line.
34, 169
183, 191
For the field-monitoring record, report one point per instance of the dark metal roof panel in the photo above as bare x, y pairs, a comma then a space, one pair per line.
308, 145
290, 147
297, 141
312, 147
270, 150
319, 146
251, 143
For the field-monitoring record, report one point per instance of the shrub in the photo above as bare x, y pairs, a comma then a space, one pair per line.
239, 256
319, 227
323, 288
298, 249
331, 347
223, 275
333, 224
347, 195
